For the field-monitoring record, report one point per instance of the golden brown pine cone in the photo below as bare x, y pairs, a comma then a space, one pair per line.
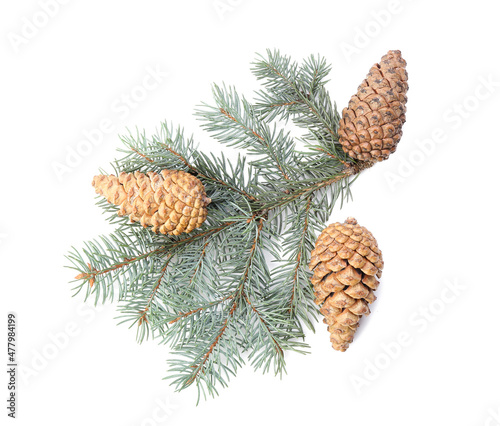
371, 125
346, 262
172, 202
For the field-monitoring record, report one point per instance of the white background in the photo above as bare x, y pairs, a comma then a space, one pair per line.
432, 206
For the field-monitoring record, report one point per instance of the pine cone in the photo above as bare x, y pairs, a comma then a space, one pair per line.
371, 125
346, 263
172, 202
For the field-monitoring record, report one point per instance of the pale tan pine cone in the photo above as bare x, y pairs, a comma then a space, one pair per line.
170, 202
346, 262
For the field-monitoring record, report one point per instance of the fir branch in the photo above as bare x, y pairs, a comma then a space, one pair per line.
305, 188
169, 147
271, 335
153, 293
183, 315
291, 282
297, 92
266, 326
197, 367
123, 257
140, 154
148, 154
234, 176
299, 258
233, 121
211, 295
94, 273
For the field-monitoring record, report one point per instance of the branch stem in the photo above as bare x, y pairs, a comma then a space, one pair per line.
237, 296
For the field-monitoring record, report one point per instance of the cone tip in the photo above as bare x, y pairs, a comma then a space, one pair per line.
351, 221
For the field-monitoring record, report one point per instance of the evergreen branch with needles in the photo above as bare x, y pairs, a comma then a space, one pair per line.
211, 295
